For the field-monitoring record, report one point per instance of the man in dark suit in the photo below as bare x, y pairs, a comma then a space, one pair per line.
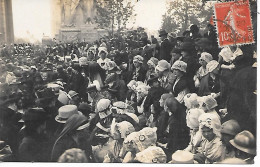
166, 46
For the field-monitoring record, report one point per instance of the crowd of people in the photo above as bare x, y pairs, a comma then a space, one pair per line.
129, 99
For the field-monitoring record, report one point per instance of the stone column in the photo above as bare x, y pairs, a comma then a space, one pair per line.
6, 22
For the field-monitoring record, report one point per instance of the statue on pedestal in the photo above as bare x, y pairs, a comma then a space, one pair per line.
76, 13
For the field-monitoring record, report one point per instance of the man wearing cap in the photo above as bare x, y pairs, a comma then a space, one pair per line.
166, 46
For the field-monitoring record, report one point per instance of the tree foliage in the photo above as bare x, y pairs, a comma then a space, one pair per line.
114, 13
181, 14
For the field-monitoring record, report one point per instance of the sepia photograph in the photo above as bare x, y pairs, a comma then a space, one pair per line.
128, 81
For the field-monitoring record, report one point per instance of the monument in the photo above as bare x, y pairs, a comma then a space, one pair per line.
73, 20
6, 22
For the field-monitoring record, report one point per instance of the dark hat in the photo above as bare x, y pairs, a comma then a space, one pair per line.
187, 46
152, 80
162, 33
35, 114
85, 108
92, 88
45, 94
194, 27
176, 50
203, 42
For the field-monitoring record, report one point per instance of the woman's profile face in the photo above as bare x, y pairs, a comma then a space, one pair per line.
161, 101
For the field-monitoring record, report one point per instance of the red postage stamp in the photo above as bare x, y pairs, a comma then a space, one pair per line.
233, 23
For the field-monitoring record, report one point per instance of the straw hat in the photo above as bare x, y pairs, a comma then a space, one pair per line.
65, 112
182, 157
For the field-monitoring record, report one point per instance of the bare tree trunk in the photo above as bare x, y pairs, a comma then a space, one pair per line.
185, 25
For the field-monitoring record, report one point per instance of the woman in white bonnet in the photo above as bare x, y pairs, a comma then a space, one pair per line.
202, 71
211, 145
152, 63
152, 154
210, 82
102, 54
208, 104
139, 141
118, 132
195, 135
139, 72
131, 95
141, 92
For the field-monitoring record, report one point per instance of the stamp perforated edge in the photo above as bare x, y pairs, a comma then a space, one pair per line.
216, 26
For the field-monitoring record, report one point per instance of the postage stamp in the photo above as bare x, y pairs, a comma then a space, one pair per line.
233, 23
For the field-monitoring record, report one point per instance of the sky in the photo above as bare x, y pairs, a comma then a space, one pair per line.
32, 18
149, 13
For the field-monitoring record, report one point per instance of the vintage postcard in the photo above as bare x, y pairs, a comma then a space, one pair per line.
128, 81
